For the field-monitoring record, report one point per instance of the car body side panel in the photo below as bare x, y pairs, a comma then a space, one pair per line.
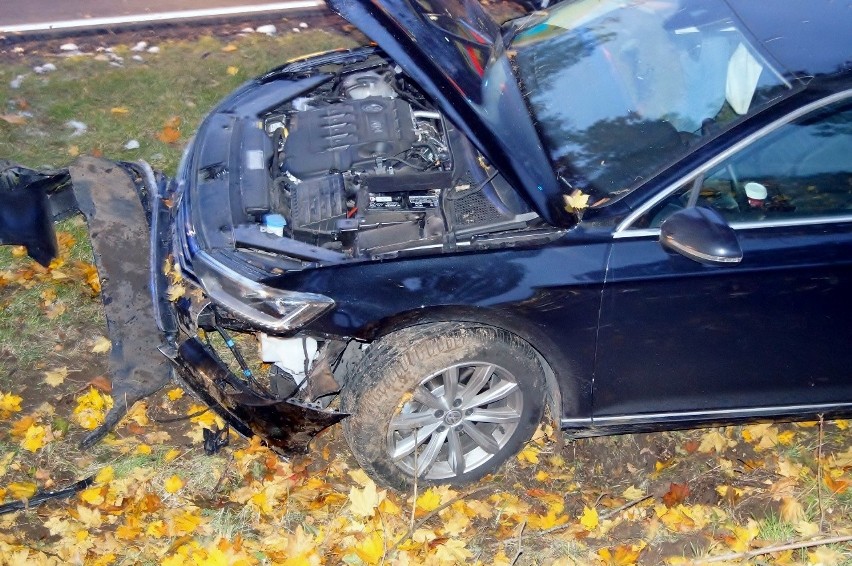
773, 330
510, 288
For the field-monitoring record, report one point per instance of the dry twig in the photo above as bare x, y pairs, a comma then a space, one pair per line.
770, 549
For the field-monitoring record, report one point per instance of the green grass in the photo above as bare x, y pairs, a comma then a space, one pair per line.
185, 80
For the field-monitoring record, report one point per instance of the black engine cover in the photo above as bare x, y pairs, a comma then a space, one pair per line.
346, 135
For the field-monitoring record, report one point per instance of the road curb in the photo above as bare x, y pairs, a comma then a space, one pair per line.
20, 31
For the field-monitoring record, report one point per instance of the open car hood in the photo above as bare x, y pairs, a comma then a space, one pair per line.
454, 51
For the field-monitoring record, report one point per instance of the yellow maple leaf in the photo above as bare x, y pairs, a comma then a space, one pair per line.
185, 523
173, 484
576, 201
622, 555
55, 376
171, 455
548, 521
143, 449
9, 403
91, 408
529, 454
105, 475
589, 519
714, 441
826, 556
363, 502
101, 345
388, 507
807, 529
453, 552
233, 70
174, 394
429, 500
743, 536
841, 424
90, 518
21, 490
93, 495
371, 548
34, 438
786, 438
632, 493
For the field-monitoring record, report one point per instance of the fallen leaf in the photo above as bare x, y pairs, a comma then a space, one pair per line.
371, 548
363, 501
676, 494
576, 201
21, 490
9, 403
714, 441
429, 500
105, 475
168, 135
119, 110
15, 119
101, 344
173, 484
807, 529
229, 48
102, 383
55, 376
589, 519
34, 438
233, 70
836, 486
174, 394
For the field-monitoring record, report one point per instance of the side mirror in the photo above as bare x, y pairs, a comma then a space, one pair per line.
701, 234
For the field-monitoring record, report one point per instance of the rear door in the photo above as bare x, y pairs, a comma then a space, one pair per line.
774, 330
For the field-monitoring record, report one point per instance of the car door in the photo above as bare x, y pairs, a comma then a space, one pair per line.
696, 341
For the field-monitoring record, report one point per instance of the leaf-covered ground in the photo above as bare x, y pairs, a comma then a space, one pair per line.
699, 496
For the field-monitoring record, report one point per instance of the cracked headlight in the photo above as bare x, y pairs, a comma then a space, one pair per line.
273, 309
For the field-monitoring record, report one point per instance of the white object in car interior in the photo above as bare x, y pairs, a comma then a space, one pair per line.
743, 73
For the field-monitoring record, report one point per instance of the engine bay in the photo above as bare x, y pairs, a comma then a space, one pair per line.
360, 166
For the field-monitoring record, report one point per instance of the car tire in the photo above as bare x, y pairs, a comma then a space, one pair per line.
452, 400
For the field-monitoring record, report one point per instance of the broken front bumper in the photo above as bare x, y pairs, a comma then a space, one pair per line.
286, 425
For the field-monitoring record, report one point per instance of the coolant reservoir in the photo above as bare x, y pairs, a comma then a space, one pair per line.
364, 85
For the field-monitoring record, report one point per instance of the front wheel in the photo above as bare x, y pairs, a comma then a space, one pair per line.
446, 402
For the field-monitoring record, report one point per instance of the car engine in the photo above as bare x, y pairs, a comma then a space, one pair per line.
364, 166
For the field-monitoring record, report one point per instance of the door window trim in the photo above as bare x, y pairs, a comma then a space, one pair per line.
623, 230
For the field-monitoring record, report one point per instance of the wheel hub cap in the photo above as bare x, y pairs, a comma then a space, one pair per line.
456, 420
453, 418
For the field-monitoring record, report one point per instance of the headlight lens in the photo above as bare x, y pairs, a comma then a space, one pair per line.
273, 309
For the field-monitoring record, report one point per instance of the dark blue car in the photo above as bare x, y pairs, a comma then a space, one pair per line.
628, 216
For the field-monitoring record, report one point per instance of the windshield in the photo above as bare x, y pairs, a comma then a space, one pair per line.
620, 90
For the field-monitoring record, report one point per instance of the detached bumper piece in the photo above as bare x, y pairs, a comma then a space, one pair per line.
287, 426
118, 224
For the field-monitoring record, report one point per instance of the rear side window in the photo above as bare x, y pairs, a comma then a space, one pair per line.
801, 170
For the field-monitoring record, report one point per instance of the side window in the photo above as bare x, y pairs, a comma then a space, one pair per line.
801, 170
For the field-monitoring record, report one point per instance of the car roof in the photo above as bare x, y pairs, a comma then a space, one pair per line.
807, 37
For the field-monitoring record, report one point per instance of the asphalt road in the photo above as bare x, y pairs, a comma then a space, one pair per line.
31, 15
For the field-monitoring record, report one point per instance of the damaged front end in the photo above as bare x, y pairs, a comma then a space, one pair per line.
130, 224
334, 159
